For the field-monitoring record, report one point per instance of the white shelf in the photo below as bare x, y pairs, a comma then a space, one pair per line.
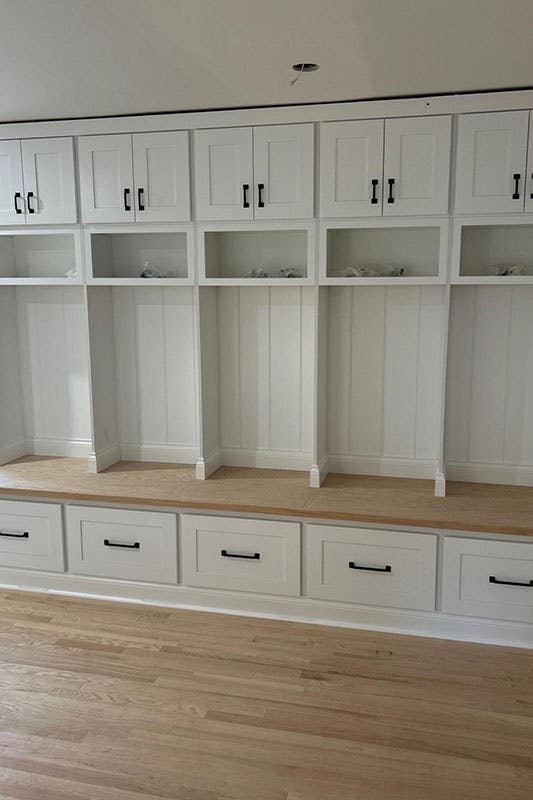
483, 244
40, 258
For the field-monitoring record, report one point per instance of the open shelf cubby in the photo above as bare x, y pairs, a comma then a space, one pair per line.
485, 247
119, 256
38, 258
377, 252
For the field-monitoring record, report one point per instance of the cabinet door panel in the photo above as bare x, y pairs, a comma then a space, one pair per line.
417, 159
284, 171
106, 174
351, 157
49, 176
11, 183
491, 149
223, 163
529, 177
161, 168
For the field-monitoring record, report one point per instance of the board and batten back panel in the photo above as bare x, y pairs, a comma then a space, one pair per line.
12, 435
385, 379
266, 355
55, 379
155, 365
489, 402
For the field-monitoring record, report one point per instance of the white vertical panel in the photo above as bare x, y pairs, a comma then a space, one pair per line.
126, 352
340, 315
255, 367
519, 416
209, 349
103, 367
285, 368
459, 373
229, 364
307, 366
429, 388
11, 416
178, 323
151, 364
77, 377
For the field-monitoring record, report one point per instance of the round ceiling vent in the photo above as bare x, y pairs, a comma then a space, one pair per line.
305, 67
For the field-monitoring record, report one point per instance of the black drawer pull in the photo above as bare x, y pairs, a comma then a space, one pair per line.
374, 191
353, 565
127, 204
31, 210
516, 179
254, 557
24, 535
140, 197
134, 546
390, 198
493, 579
260, 190
16, 198
531, 195
245, 190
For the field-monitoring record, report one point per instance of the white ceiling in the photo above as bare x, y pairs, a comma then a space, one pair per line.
76, 58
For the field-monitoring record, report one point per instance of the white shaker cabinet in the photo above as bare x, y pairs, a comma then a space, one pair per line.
491, 162
12, 203
224, 174
106, 178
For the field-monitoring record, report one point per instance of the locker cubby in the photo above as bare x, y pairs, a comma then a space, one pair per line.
39, 258
484, 247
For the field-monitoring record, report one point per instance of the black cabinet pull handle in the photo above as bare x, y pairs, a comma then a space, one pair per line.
492, 579
353, 565
245, 190
127, 204
17, 197
31, 210
254, 557
140, 197
260, 189
531, 195
24, 535
134, 546
374, 191
516, 179
390, 198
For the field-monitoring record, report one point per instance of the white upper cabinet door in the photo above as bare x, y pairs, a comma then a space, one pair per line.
351, 168
106, 178
491, 162
224, 174
529, 177
284, 164
161, 169
12, 206
49, 182
416, 169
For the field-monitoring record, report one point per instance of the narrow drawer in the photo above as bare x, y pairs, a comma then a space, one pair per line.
488, 579
130, 545
31, 536
359, 565
241, 554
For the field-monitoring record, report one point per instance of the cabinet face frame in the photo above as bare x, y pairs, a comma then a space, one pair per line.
76, 233
493, 220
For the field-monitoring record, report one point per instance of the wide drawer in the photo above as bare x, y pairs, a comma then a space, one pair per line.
241, 554
488, 579
130, 545
31, 536
371, 567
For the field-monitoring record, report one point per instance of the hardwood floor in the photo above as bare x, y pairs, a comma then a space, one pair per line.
104, 701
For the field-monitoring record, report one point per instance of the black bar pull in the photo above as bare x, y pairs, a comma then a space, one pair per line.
254, 557
140, 198
245, 200
127, 204
260, 190
390, 198
24, 535
134, 546
492, 579
374, 191
516, 179
17, 197
31, 210
531, 195
353, 565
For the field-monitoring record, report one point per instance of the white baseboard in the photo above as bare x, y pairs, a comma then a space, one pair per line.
440, 484
172, 454
68, 448
206, 466
318, 473
383, 465
510, 474
266, 459
294, 609
12, 450
103, 459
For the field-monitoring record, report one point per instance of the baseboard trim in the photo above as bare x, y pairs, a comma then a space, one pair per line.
266, 459
206, 466
98, 461
172, 454
293, 609
318, 473
71, 448
382, 465
511, 474
12, 451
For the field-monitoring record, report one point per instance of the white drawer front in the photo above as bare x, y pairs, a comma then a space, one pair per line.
371, 567
31, 536
241, 554
488, 579
130, 545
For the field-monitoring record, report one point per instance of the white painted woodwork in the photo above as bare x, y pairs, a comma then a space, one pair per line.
161, 170
30, 256
11, 183
208, 369
351, 156
417, 158
275, 569
155, 559
284, 164
12, 432
410, 581
118, 256
489, 402
491, 148
483, 246
48, 166
224, 166
106, 171
384, 359
529, 170
468, 565
31, 536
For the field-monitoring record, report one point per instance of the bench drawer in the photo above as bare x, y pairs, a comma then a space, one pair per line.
488, 579
31, 536
241, 554
129, 545
371, 567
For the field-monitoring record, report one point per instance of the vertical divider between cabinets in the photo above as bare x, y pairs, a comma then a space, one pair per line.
319, 468
206, 315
